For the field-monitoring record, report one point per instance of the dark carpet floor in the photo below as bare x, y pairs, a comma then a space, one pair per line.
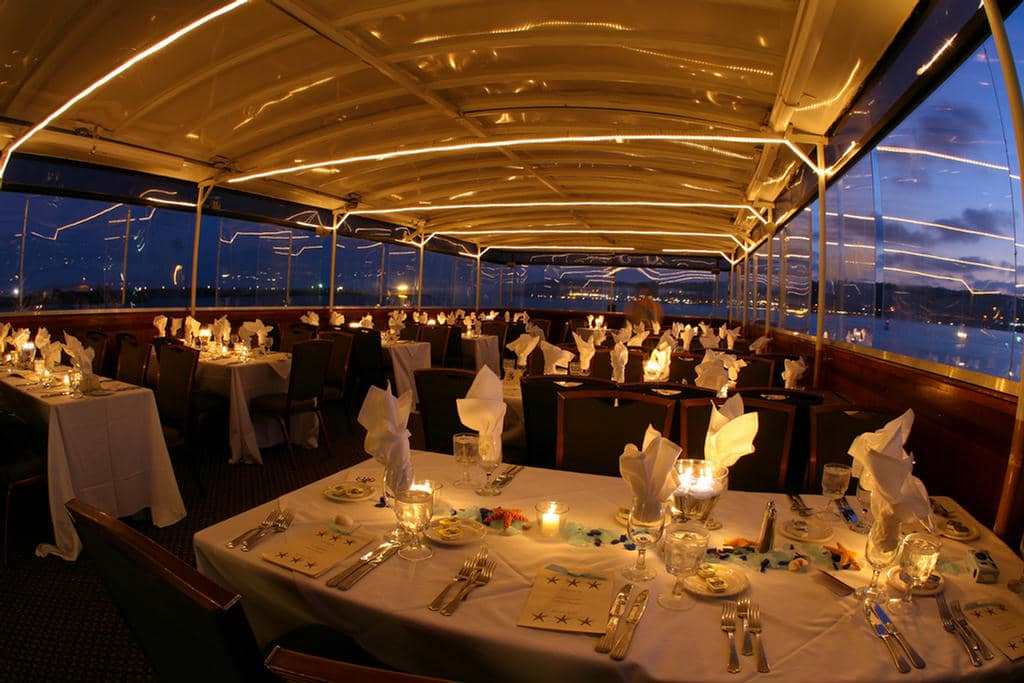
57, 621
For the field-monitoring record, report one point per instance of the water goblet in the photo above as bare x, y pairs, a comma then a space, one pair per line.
880, 551
835, 479
683, 550
414, 507
918, 555
1017, 585
644, 528
489, 457
464, 447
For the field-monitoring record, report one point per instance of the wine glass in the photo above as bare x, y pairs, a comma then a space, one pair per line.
464, 448
879, 551
835, 479
684, 549
1017, 585
918, 556
712, 522
645, 526
414, 507
489, 457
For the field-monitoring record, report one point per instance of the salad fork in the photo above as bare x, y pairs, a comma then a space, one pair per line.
729, 628
283, 521
262, 525
464, 573
480, 578
743, 612
754, 627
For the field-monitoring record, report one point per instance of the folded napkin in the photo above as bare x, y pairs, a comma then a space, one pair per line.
884, 468
507, 317
459, 314
655, 327
590, 321
677, 329
555, 357
722, 331
79, 355
385, 419
794, 370
731, 336
760, 345
42, 339
668, 340
175, 326
650, 473
222, 329
730, 433
396, 321
640, 327
620, 356
192, 328
637, 340
522, 347
623, 334
534, 331
310, 318
493, 315
366, 321
705, 329
160, 323
586, 349
599, 322
51, 354
687, 336
711, 373
442, 318
709, 341
661, 357
337, 319
483, 409
5, 331
597, 337
20, 338
732, 364
523, 315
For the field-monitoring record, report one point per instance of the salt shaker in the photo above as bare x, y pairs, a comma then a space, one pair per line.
767, 538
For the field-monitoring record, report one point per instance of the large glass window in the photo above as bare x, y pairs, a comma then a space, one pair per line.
491, 294
357, 272
449, 280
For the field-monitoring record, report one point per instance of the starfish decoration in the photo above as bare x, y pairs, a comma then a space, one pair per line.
507, 516
847, 559
321, 533
991, 611
585, 621
349, 541
574, 582
564, 619
552, 579
538, 616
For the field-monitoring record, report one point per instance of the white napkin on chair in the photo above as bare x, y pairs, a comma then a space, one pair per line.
483, 409
687, 336
337, 319
590, 321
586, 349
78, 353
711, 373
794, 370
709, 341
555, 357
160, 323
668, 340
222, 329
522, 347
637, 340
366, 321
730, 433
760, 345
651, 472
662, 357
620, 356
310, 318
385, 418
731, 336
175, 326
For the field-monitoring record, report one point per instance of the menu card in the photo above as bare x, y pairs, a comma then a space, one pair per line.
1000, 624
565, 600
317, 550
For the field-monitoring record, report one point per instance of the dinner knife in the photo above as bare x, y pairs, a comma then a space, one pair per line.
890, 627
846, 511
953, 628
626, 637
618, 607
799, 505
366, 557
897, 658
506, 477
960, 619
366, 568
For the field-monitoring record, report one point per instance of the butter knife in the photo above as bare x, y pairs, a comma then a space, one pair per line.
837, 586
636, 611
366, 568
506, 477
890, 644
846, 510
366, 557
890, 627
604, 645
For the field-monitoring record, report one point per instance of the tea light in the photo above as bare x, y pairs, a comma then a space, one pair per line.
427, 485
67, 381
701, 484
550, 518
354, 325
652, 371
205, 334
431, 322
25, 356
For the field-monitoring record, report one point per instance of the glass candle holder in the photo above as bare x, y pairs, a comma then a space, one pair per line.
551, 518
26, 354
701, 484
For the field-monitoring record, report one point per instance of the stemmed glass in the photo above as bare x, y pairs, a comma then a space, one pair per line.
489, 454
464, 448
685, 545
646, 524
414, 507
835, 479
712, 522
918, 555
1017, 585
879, 551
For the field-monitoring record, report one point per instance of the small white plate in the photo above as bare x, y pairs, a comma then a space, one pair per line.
806, 530
965, 532
667, 392
349, 492
455, 531
736, 582
935, 585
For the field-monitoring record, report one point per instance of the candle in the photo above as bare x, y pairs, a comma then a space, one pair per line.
431, 322
67, 381
652, 370
354, 325
701, 484
550, 517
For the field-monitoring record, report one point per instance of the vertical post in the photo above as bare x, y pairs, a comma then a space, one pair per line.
216, 272
334, 259
783, 253
732, 289
21, 260
746, 290
479, 265
819, 335
1011, 479
124, 256
611, 290
383, 272
204, 192
419, 278
768, 290
288, 270
714, 299
754, 288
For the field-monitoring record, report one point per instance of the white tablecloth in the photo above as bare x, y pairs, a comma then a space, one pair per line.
484, 351
809, 634
406, 357
108, 451
243, 382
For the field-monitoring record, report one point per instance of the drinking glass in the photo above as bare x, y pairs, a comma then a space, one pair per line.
835, 479
464, 447
646, 524
684, 549
712, 522
489, 457
918, 556
414, 507
879, 551
1017, 585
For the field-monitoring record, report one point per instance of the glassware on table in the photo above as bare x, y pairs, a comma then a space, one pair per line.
880, 550
489, 457
1017, 585
684, 549
464, 448
575, 368
701, 485
835, 479
414, 507
645, 527
918, 555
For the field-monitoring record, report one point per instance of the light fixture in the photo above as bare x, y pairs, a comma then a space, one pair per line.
537, 231
554, 247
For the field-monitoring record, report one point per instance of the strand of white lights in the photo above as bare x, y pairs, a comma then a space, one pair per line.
553, 247
701, 251
441, 149
153, 49
537, 231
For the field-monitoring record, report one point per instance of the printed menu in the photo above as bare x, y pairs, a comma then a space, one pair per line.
314, 552
564, 600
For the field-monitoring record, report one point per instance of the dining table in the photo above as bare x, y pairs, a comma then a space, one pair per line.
105, 447
481, 350
406, 357
809, 633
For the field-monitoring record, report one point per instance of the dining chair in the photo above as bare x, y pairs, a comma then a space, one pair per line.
189, 627
545, 327
594, 427
572, 325
310, 360
132, 361
153, 365
336, 380
97, 341
758, 372
601, 365
833, 429
299, 667
411, 332
780, 365
498, 328
174, 389
540, 412
683, 367
296, 333
437, 336
800, 446
762, 470
23, 464
438, 389
367, 364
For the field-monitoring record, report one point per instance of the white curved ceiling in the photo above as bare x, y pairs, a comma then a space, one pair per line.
278, 83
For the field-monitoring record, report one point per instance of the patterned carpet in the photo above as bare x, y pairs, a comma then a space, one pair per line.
58, 622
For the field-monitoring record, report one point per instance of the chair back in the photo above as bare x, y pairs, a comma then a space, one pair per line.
97, 341
341, 354
496, 327
571, 325
299, 667
762, 470
601, 365
189, 627
411, 332
438, 389
540, 412
178, 365
800, 447
310, 360
595, 426
683, 367
295, 333
367, 363
833, 429
758, 372
437, 337
132, 361
545, 327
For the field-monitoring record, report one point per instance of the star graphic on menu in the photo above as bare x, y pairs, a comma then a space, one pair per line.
564, 619
552, 579
1013, 645
990, 611
296, 559
310, 565
585, 621
349, 541
282, 555
574, 582
334, 538
594, 584
321, 533
977, 613
538, 616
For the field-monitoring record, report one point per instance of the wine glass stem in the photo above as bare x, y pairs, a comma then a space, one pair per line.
874, 578
641, 558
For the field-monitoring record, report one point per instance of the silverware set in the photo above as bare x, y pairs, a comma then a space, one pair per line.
746, 617
276, 521
475, 572
506, 476
797, 504
351, 575
955, 622
636, 611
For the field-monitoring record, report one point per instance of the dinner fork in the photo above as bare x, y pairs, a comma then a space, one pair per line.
463, 575
480, 578
754, 627
961, 619
951, 627
729, 628
283, 521
743, 612
249, 532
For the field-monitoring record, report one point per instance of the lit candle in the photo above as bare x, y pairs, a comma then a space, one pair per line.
652, 370
431, 322
550, 515
67, 381
354, 325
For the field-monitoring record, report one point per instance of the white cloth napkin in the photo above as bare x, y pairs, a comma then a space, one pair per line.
623, 335
760, 345
310, 318
366, 321
555, 357
78, 353
192, 328
483, 409
650, 473
723, 329
655, 327
493, 315
586, 350
522, 315
385, 419
794, 370
730, 433
640, 327
522, 347
5, 331
709, 341
51, 354
175, 326
160, 323
442, 318
507, 317
254, 328
222, 329
590, 320
731, 336
620, 356
599, 322
337, 319
42, 339
637, 340
711, 373
733, 365
687, 336
662, 357
459, 314
20, 338
677, 329
705, 329
396, 321
668, 340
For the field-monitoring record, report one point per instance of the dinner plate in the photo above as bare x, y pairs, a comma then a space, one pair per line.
455, 531
735, 580
935, 584
806, 530
959, 531
774, 397
349, 491
667, 392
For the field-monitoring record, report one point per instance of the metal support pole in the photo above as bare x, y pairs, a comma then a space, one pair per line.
383, 272
419, 278
21, 260
820, 333
783, 252
288, 271
479, 265
732, 289
1011, 479
714, 300
768, 290
204, 192
755, 286
746, 291
334, 259
216, 273
124, 256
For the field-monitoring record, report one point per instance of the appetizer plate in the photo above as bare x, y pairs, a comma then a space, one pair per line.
734, 579
455, 531
349, 491
806, 530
